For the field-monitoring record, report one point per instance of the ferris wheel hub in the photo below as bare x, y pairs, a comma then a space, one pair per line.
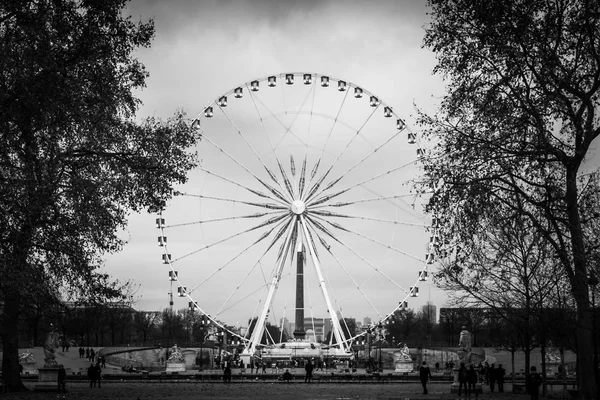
298, 207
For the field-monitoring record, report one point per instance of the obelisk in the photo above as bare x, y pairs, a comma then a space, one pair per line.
299, 323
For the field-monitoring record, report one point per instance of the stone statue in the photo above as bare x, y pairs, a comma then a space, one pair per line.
50, 346
26, 357
464, 346
176, 355
405, 353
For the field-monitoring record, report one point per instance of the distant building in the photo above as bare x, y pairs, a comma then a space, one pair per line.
430, 312
287, 327
366, 321
319, 328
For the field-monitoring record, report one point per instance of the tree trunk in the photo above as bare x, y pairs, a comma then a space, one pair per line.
543, 353
11, 378
512, 363
527, 352
586, 378
586, 375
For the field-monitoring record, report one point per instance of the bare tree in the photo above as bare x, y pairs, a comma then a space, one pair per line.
519, 116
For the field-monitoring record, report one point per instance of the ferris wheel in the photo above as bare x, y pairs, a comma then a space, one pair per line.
303, 189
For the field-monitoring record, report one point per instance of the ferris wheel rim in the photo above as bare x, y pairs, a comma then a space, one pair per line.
314, 76
351, 85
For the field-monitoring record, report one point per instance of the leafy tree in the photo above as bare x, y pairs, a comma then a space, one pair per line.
74, 161
519, 116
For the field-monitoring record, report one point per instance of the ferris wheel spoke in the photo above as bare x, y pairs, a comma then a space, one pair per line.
264, 128
235, 257
286, 180
241, 282
232, 218
302, 180
361, 183
260, 323
208, 246
350, 169
274, 191
372, 199
324, 213
269, 172
273, 147
340, 227
270, 206
253, 191
288, 128
378, 270
276, 117
243, 299
329, 250
315, 187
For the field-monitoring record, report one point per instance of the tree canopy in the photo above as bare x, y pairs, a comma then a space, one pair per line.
517, 121
74, 161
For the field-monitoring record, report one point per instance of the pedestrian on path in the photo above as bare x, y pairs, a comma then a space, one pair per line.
425, 375
500, 378
227, 374
62, 380
91, 373
533, 382
492, 377
309, 369
471, 381
462, 379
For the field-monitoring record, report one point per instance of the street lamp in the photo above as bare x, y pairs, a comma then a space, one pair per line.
203, 324
379, 369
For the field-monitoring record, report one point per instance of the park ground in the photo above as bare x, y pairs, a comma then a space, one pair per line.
115, 390
186, 387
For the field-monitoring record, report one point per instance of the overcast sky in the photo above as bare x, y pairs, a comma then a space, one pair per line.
205, 48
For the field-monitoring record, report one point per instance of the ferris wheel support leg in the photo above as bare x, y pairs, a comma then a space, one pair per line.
259, 327
337, 328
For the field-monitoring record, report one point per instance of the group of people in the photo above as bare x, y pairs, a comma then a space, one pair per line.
94, 373
493, 375
92, 356
468, 379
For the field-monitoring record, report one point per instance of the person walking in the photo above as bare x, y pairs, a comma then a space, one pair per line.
462, 379
308, 367
91, 373
424, 375
227, 374
500, 372
533, 382
471, 381
98, 371
62, 380
492, 373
